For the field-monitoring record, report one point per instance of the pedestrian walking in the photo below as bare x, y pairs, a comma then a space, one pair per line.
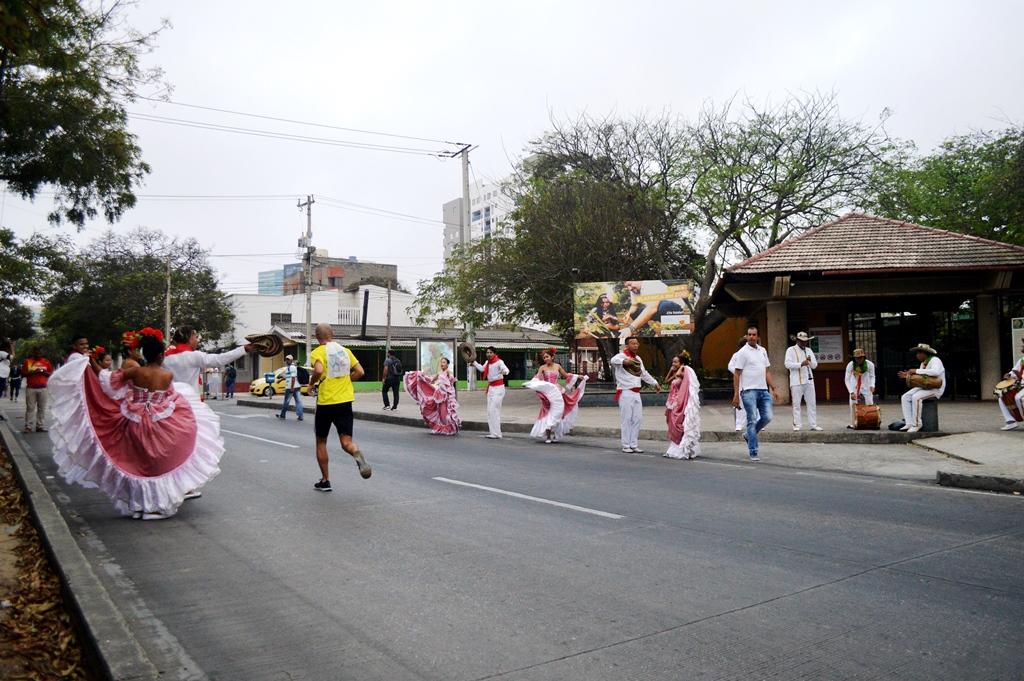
230, 374
291, 388
334, 369
629, 372
392, 379
37, 371
751, 385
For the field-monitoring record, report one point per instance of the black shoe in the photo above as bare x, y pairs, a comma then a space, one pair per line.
278, 416
394, 408
323, 486
300, 418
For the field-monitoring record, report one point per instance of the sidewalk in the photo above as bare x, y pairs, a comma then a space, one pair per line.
970, 451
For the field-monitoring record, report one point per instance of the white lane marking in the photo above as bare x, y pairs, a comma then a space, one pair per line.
261, 439
581, 509
245, 416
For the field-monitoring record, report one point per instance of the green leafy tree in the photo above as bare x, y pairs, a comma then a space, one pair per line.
28, 268
119, 283
15, 320
67, 68
972, 184
604, 200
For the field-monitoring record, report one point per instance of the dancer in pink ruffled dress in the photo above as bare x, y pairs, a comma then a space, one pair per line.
436, 396
559, 407
134, 434
682, 410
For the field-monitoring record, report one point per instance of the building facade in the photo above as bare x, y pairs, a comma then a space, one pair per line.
489, 207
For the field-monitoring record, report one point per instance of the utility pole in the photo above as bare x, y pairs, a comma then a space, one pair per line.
307, 271
387, 342
465, 237
167, 311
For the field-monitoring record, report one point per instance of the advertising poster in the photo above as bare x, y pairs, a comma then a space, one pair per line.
619, 309
430, 353
1016, 336
828, 346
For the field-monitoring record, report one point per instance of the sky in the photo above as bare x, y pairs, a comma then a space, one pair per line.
428, 76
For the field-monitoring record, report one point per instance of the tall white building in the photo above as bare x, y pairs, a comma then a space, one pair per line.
489, 207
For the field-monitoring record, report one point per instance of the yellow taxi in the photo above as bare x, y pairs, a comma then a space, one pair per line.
276, 387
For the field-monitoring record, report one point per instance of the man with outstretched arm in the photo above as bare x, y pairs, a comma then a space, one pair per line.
494, 373
334, 369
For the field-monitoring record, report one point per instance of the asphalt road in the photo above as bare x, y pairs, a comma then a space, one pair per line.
464, 558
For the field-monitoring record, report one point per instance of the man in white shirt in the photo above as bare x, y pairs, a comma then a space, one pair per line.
291, 388
629, 372
494, 373
740, 412
931, 366
184, 361
801, 362
751, 384
860, 381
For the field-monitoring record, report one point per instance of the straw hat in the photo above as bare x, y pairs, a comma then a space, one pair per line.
859, 353
802, 336
925, 348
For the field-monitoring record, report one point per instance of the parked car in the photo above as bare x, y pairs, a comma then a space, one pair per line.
276, 387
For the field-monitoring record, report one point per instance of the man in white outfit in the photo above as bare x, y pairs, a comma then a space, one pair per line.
931, 366
627, 392
801, 362
185, 362
1015, 374
860, 382
494, 373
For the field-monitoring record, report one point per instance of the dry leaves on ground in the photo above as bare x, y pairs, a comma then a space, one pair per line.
37, 639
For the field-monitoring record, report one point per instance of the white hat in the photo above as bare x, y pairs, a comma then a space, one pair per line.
288, 357
802, 336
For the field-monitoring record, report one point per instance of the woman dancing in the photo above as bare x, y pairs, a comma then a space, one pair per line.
559, 407
436, 396
137, 436
682, 410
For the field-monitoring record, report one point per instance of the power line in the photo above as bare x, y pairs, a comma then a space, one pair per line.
288, 120
286, 136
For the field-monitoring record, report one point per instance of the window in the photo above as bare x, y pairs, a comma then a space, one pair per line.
280, 318
476, 215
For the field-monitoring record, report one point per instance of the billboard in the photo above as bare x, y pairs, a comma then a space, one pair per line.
619, 309
430, 353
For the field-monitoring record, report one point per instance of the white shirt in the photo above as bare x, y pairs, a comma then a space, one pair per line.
627, 381
491, 372
732, 363
934, 367
753, 362
186, 365
867, 379
5, 364
800, 375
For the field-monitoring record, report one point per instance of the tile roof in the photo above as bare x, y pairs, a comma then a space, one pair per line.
865, 243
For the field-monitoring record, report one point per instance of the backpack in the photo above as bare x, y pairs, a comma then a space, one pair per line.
396, 368
230, 372
15, 372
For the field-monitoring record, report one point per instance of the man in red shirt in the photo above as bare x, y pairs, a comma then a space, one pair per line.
36, 370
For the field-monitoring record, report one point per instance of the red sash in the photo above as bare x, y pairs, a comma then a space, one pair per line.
619, 392
178, 348
500, 381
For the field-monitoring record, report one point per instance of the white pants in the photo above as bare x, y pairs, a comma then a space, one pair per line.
868, 399
35, 407
805, 392
631, 410
495, 395
1006, 412
912, 400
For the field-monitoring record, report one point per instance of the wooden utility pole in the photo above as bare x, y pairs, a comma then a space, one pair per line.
464, 239
167, 310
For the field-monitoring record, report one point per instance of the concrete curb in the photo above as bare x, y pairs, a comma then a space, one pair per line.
988, 483
115, 648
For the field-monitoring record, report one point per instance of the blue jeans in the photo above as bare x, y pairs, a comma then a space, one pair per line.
757, 403
298, 402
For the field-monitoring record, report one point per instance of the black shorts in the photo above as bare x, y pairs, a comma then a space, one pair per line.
339, 415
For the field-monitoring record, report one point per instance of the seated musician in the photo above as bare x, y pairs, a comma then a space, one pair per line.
1014, 375
928, 380
860, 381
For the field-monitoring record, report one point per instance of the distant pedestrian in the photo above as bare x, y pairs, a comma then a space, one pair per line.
214, 376
36, 370
751, 385
392, 379
334, 369
291, 388
494, 373
629, 373
14, 381
6, 358
230, 374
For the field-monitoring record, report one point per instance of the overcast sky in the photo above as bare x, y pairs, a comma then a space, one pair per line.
493, 74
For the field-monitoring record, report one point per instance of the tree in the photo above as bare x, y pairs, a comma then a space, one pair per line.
15, 320
67, 68
119, 283
28, 267
972, 184
632, 199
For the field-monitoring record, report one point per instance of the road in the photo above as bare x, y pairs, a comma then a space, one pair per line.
464, 558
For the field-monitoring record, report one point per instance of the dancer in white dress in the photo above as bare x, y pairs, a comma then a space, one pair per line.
559, 409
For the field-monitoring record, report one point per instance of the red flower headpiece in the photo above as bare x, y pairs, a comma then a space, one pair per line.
155, 333
552, 351
97, 352
130, 340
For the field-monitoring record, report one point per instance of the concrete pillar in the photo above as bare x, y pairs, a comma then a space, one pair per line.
776, 343
989, 365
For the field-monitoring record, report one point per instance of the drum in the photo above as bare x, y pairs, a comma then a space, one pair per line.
922, 381
1007, 391
869, 416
